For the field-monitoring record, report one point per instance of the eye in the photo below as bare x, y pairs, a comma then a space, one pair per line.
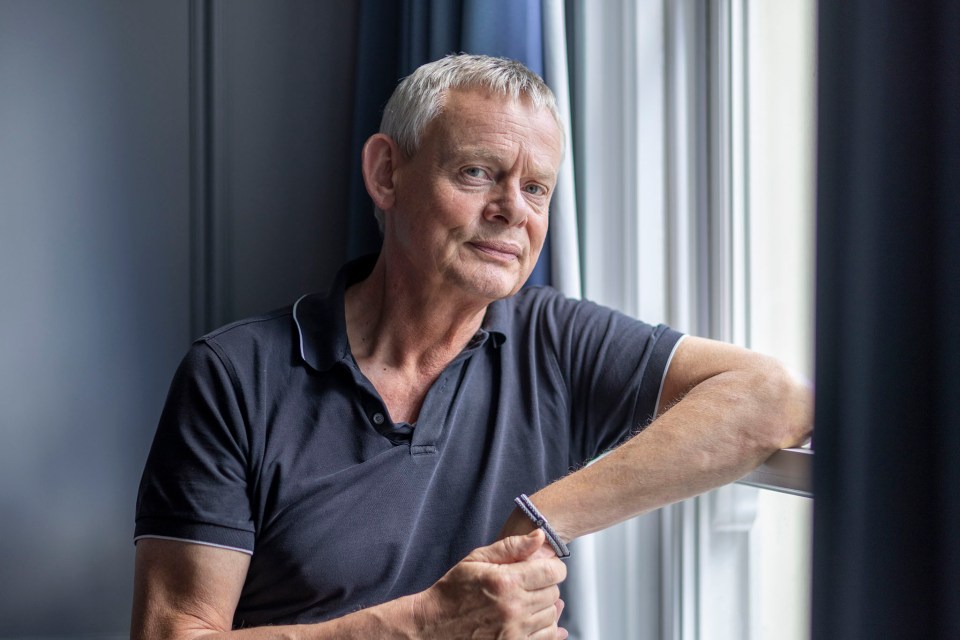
474, 172
535, 189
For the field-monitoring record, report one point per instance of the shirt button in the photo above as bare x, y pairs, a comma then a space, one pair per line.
378, 418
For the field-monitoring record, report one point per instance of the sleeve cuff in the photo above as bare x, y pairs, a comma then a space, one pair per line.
201, 533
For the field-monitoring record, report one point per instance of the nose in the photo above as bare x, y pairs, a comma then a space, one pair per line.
508, 206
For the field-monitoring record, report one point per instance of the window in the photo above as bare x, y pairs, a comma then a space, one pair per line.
695, 150
781, 128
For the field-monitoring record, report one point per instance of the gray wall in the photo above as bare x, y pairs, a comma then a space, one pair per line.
165, 167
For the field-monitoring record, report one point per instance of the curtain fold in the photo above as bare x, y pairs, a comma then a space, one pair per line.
887, 469
377, 71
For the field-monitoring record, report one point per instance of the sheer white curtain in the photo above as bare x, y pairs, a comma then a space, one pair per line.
637, 72
565, 267
617, 75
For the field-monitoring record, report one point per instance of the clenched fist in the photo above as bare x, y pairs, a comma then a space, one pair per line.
507, 590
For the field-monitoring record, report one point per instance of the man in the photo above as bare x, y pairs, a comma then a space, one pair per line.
347, 467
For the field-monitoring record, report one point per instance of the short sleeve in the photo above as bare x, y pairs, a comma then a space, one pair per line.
195, 481
614, 367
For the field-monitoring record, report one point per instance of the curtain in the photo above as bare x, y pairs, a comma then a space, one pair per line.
887, 468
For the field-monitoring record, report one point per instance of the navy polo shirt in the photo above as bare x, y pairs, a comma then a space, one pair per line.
273, 442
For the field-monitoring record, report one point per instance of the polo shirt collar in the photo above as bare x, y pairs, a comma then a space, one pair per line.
496, 322
322, 327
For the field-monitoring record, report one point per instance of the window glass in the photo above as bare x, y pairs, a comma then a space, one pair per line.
781, 129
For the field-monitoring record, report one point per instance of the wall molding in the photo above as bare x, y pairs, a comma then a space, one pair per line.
206, 239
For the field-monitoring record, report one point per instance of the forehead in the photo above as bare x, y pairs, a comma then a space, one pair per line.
480, 118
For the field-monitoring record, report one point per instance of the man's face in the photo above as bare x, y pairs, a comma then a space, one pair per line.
470, 213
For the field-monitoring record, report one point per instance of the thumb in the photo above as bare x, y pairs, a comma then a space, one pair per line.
509, 550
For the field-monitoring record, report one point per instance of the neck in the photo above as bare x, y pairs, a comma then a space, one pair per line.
400, 325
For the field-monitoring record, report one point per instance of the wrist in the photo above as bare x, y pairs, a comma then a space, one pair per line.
555, 513
560, 525
424, 611
539, 520
401, 619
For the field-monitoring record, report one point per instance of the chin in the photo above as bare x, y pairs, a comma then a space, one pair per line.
492, 286
492, 293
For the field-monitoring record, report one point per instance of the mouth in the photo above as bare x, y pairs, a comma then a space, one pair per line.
503, 251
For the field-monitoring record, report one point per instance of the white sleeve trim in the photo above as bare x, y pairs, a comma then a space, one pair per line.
666, 369
206, 544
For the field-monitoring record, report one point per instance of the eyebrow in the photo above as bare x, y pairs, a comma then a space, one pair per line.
481, 153
484, 154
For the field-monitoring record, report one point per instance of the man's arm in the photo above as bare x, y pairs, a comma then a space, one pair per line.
723, 411
190, 591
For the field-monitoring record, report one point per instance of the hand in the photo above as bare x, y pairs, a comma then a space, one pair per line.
518, 524
505, 590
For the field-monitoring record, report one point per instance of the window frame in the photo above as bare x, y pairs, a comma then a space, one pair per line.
664, 222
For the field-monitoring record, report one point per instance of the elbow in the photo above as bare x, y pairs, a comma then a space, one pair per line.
787, 410
176, 626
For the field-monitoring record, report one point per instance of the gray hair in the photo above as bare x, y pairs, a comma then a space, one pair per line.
420, 97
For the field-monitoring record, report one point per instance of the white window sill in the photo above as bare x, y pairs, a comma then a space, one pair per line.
788, 471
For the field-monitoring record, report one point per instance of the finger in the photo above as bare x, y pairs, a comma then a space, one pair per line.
540, 573
559, 606
544, 619
535, 609
545, 551
541, 600
550, 633
509, 550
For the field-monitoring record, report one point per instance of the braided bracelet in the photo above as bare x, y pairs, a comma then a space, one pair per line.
537, 518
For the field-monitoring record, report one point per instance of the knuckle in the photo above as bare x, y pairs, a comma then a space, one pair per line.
499, 585
560, 570
554, 593
509, 609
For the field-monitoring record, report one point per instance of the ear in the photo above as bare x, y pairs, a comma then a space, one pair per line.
380, 159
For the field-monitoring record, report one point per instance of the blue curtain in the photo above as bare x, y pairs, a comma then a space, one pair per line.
396, 37
887, 467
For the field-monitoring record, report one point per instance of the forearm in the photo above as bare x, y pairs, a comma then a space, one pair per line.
509, 589
186, 591
394, 620
721, 430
